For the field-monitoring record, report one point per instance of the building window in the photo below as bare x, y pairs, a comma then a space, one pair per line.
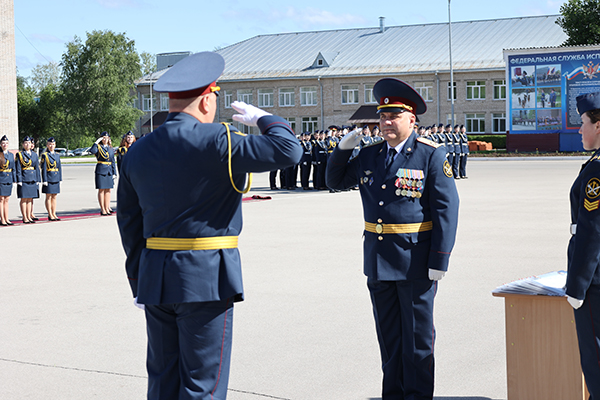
499, 123
349, 94
476, 90
425, 89
449, 120
475, 123
500, 90
265, 97
245, 95
286, 97
164, 102
309, 124
449, 95
369, 98
146, 102
292, 122
244, 128
227, 98
308, 96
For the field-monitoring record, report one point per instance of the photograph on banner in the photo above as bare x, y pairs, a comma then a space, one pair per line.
523, 120
549, 119
549, 97
548, 74
523, 76
523, 98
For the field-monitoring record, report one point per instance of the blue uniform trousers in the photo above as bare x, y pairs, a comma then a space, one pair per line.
463, 166
403, 313
189, 350
587, 321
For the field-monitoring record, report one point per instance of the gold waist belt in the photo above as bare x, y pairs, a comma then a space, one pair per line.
203, 243
398, 228
104, 162
6, 170
27, 168
52, 170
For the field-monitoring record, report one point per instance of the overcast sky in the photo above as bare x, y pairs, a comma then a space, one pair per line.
42, 27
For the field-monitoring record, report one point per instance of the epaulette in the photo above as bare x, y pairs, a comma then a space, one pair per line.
428, 142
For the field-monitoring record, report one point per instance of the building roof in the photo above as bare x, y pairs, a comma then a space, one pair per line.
407, 49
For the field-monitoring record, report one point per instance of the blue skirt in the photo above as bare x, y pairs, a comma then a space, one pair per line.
29, 190
52, 188
104, 181
6, 189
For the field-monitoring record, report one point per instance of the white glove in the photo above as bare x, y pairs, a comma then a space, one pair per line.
99, 140
351, 140
138, 305
574, 302
436, 275
45, 183
248, 114
20, 183
114, 177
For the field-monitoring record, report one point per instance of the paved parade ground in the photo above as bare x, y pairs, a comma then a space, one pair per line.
69, 329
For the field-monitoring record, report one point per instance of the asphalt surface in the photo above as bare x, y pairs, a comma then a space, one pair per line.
69, 329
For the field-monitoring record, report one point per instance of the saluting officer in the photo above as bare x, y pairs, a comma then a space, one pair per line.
180, 223
464, 152
305, 161
583, 275
410, 206
51, 177
8, 177
28, 176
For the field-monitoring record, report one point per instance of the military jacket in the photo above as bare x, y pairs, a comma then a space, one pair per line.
8, 171
51, 167
434, 206
27, 167
175, 183
464, 143
105, 156
584, 246
306, 152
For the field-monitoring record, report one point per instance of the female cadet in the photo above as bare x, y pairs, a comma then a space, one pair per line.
105, 171
51, 177
8, 176
583, 277
28, 176
126, 142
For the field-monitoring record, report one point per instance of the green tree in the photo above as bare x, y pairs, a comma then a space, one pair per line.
581, 22
45, 74
98, 84
148, 63
30, 119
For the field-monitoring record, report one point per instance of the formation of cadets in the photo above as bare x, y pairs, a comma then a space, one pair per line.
318, 146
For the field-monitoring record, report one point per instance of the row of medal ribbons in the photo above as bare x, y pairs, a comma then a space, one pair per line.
409, 182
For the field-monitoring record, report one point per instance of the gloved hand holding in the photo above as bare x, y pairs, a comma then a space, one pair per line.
138, 305
45, 183
351, 140
575, 303
436, 275
248, 114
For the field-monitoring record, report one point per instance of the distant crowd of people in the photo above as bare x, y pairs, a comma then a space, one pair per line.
318, 146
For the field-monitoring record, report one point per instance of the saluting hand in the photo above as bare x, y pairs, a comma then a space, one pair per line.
351, 140
248, 114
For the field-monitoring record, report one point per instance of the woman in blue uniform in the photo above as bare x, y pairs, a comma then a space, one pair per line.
28, 176
126, 142
583, 277
8, 176
51, 177
105, 171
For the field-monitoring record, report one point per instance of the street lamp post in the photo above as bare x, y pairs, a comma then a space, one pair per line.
451, 70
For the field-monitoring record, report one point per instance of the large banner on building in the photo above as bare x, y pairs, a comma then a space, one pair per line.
542, 89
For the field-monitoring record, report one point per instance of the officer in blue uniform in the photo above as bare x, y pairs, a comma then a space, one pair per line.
51, 177
583, 275
179, 220
306, 160
410, 207
28, 176
105, 172
8, 176
464, 152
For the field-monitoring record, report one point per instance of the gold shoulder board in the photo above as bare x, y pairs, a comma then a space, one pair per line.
428, 142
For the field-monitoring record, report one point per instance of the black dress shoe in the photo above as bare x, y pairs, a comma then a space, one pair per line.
9, 223
35, 219
3, 224
104, 214
56, 219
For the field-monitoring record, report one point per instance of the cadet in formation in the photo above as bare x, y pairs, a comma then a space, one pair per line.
105, 172
583, 275
410, 207
28, 177
8, 177
306, 160
51, 177
126, 141
182, 261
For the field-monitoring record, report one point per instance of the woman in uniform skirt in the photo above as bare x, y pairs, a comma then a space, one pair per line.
583, 276
8, 176
51, 177
126, 142
105, 171
28, 176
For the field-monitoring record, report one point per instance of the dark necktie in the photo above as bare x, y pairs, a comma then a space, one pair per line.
390, 158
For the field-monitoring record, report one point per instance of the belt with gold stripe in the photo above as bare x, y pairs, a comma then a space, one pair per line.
28, 168
104, 162
398, 228
203, 243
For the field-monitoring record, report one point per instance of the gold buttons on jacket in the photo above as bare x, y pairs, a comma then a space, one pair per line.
380, 238
381, 203
383, 186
